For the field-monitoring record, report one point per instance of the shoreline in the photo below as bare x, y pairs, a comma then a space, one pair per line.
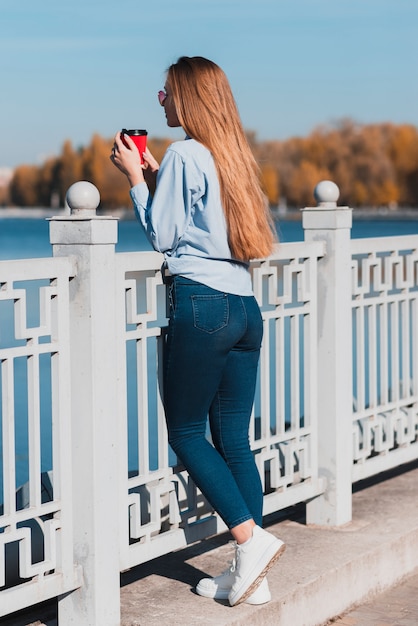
279, 213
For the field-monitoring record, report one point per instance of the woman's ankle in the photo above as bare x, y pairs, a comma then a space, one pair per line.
243, 532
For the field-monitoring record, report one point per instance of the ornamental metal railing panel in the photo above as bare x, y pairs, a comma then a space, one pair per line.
385, 353
36, 551
284, 434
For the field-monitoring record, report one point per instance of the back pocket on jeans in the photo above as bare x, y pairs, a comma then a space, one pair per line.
210, 312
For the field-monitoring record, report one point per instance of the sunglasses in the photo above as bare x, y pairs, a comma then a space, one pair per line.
162, 97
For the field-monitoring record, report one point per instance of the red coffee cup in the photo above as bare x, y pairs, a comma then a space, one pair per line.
139, 137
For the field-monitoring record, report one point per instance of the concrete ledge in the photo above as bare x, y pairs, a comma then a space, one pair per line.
323, 572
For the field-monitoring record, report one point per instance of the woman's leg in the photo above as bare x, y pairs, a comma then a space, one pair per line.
230, 414
209, 333
204, 327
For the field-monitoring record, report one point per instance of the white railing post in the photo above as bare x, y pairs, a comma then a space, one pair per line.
91, 240
332, 224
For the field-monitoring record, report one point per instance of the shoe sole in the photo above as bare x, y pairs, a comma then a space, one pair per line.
257, 581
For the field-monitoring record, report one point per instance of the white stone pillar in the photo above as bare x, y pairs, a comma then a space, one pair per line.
91, 239
331, 223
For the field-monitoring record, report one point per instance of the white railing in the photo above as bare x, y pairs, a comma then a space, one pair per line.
36, 539
338, 364
385, 360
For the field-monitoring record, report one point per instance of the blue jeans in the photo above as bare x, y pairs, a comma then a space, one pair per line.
210, 369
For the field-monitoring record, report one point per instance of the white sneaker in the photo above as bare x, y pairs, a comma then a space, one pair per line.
254, 558
220, 587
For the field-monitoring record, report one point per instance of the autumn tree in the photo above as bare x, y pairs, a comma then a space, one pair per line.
45, 182
402, 148
270, 181
68, 170
23, 186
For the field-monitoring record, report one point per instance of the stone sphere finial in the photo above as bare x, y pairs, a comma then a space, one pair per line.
83, 198
326, 193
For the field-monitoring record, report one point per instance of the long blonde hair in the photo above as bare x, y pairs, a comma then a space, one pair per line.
207, 111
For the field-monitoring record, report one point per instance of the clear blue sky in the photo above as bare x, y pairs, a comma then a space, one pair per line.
70, 68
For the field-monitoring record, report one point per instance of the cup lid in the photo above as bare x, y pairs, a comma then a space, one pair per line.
134, 131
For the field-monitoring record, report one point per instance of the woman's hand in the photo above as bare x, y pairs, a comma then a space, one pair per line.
126, 157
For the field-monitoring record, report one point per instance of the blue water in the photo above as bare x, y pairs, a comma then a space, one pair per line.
22, 238
29, 238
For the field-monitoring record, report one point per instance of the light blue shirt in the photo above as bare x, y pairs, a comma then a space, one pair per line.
185, 220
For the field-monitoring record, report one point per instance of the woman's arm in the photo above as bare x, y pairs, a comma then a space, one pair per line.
167, 216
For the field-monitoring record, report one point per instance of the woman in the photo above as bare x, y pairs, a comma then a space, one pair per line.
209, 217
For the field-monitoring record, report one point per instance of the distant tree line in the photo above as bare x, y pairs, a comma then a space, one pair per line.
373, 165
47, 184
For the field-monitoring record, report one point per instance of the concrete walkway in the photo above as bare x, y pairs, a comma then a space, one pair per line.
325, 576
396, 607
